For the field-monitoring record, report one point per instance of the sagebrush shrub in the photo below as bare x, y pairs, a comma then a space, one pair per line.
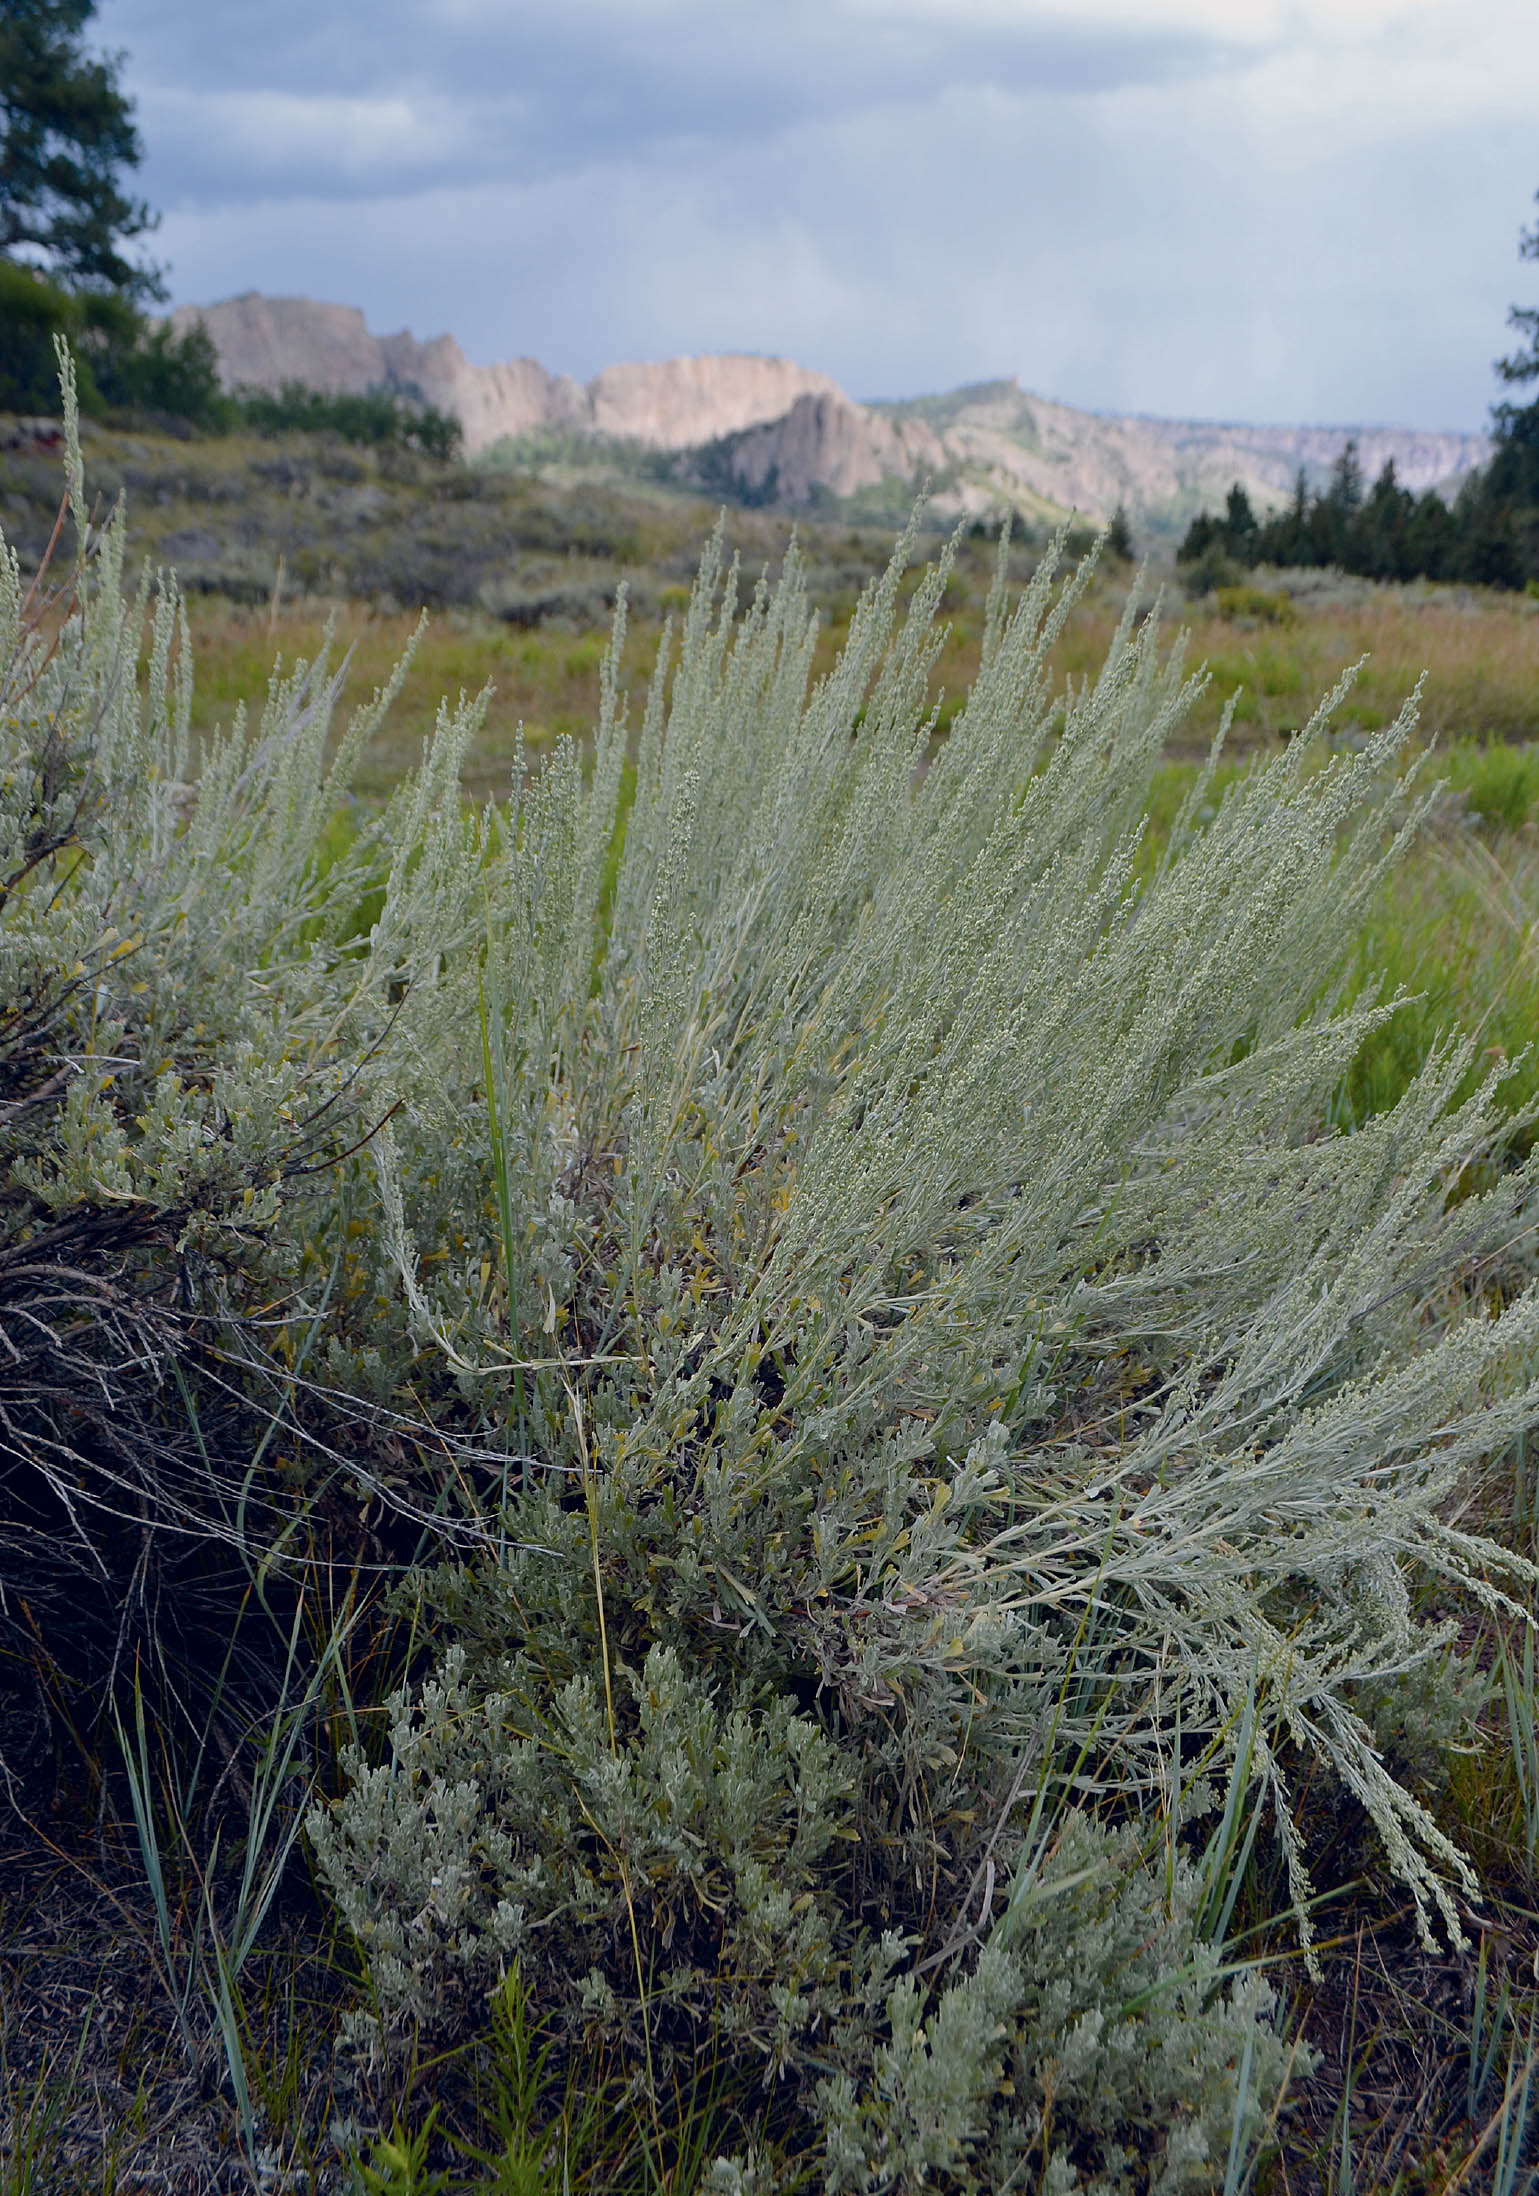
897, 1389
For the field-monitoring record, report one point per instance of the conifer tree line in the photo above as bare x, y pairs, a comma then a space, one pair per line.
1488, 535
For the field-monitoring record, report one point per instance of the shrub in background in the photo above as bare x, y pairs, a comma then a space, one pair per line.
33, 312
911, 1433
378, 417
1212, 570
126, 363
122, 360
172, 377
1264, 607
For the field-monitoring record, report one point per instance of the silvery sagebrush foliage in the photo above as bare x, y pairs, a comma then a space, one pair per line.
913, 1398
921, 1284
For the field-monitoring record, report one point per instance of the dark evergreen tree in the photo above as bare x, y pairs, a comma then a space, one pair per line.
1345, 492
66, 137
1377, 539
1199, 538
1332, 516
1487, 533
1233, 536
1240, 528
1430, 539
1284, 539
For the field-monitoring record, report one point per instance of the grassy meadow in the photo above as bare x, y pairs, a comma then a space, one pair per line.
1478, 655
198, 1992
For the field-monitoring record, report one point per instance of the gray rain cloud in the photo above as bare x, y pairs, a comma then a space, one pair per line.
908, 196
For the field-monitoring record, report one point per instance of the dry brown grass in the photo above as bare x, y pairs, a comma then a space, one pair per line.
1479, 651
546, 680
1480, 655
519, 569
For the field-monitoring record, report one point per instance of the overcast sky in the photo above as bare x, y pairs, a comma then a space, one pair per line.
1242, 209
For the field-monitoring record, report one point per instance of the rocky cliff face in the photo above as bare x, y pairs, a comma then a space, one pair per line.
824, 442
1091, 462
775, 432
265, 341
681, 402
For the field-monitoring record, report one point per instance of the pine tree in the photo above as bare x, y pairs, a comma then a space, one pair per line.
1377, 539
66, 136
1119, 534
1240, 529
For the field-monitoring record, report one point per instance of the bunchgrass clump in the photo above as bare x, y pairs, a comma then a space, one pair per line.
897, 1430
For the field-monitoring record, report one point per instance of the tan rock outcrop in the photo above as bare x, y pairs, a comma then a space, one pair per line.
826, 442
668, 405
677, 403
264, 341
1090, 462
515, 398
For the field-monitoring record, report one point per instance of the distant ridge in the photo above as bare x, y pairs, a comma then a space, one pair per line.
770, 431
